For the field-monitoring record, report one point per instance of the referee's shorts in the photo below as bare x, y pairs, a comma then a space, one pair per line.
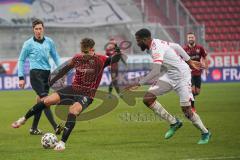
39, 81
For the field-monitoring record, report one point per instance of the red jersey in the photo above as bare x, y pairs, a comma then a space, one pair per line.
196, 53
89, 70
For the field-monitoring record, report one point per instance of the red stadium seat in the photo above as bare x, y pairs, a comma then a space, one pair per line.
216, 30
208, 9
216, 49
224, 49
210, 3
209, 30
232, 49
230, 9
202, 3
223, 10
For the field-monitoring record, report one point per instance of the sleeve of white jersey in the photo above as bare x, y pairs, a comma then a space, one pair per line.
180, 51
155, 72
157, 55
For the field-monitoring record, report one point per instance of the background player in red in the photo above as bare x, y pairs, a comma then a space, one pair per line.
197, 53
89, 69
111, 50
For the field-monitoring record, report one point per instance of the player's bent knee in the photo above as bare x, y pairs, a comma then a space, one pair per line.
75, 109
47, 102
52, 99
149, 99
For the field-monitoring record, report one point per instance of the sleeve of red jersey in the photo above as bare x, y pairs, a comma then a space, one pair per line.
203, 52
105, 59
75, 58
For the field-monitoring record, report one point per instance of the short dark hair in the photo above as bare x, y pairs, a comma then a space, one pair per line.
191, 33
143, 33
36, 22
86, 44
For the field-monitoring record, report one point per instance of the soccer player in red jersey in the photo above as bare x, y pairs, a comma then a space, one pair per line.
112, 49
197, 53
89, 69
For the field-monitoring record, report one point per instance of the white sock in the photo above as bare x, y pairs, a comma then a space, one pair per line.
196, 120
159, 110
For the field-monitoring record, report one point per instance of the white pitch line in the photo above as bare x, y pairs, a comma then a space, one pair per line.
214, 158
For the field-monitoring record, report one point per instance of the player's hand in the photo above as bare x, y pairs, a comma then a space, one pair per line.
196, 65
117, 49
21, 84
133, 86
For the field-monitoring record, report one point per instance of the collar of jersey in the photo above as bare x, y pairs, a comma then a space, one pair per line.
39, 41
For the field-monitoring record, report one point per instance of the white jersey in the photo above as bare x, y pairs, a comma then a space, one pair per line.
172, 64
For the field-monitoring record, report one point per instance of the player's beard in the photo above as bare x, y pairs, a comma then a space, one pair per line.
192, 43
143, 46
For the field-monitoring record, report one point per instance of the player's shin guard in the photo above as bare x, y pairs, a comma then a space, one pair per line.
196, 120
35, 109
159, 110
71, 120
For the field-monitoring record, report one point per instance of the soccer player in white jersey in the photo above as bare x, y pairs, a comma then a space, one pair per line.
172, 73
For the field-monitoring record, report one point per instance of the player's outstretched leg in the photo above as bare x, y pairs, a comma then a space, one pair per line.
150, 101
37, 108
21, 121
197, 122
74, 110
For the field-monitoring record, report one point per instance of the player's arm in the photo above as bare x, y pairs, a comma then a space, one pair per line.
194, 64
54, 54
180, 51
155, 72
118, 51
62, 71
113, 59
21, 60
204, 58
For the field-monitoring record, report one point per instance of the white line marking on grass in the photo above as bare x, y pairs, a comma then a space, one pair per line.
214, 158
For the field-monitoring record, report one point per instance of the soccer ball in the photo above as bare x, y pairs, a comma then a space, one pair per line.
49, 140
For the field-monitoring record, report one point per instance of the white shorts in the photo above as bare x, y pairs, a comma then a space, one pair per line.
181, 87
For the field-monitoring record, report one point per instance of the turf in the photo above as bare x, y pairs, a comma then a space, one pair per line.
130, 133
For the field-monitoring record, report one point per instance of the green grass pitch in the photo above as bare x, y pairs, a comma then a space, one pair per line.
130, 133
